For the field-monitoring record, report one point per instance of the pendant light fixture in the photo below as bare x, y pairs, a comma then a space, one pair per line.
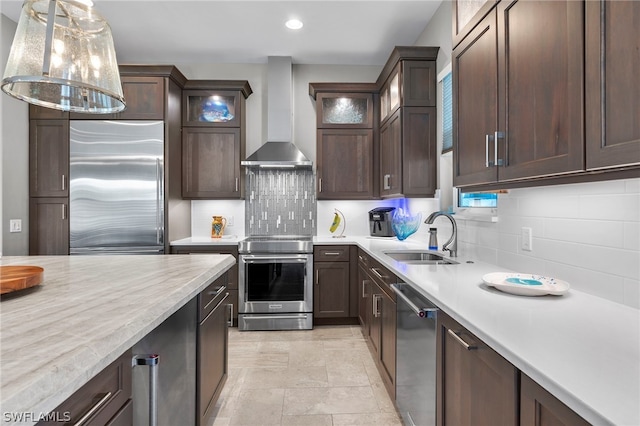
63, 57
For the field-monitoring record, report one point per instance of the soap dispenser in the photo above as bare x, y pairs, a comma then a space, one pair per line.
433, 238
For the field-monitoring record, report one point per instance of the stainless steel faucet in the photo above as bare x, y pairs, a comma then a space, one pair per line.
452, 244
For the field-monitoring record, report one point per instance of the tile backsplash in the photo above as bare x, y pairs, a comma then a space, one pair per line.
280, 202
587, 234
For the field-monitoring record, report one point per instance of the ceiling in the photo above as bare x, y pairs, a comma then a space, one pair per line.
360, 32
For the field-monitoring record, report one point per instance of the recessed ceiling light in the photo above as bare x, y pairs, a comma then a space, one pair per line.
294, 24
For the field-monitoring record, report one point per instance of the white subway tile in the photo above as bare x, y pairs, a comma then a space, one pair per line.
632, 185
632, 293
632, 237
519, 263
611, 207
588, 280
546, 205
508, 242
595, 232
513, 224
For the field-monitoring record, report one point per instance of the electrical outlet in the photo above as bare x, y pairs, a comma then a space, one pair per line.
15, 225
527, 243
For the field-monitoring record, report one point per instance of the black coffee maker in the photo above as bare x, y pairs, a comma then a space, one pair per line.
380, 222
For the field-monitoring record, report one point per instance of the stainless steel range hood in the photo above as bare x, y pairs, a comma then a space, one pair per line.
278, 151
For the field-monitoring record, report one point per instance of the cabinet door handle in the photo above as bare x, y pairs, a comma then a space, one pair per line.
459, 340
317, 277
496, 136
230, 305
64, 182
486, 151
93, 409
364, 283
319, 184
376, 305
237, 180
64, 212
387, 182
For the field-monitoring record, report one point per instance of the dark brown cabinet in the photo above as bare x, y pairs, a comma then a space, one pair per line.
104, 400
143, 94
518, 110
539, 408
232, 274
612, 104
213, 138
48, 226
332, 286
49, 158
212, 344
377, 316
408, 123
48, 183
475, 385
211, 166
346, 144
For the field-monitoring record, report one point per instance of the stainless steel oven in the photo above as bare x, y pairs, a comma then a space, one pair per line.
275, 279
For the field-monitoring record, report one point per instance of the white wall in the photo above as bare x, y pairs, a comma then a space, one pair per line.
14, 158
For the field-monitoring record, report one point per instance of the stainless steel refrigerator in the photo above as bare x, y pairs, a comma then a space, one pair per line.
116, 187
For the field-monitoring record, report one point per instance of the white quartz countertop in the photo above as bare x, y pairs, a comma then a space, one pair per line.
583, 349
88, 311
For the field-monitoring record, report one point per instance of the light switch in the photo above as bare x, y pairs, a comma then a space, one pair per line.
15, 225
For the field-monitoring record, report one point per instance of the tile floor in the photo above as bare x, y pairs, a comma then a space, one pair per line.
324, 376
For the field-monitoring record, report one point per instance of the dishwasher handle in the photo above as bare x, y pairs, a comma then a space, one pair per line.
421, 312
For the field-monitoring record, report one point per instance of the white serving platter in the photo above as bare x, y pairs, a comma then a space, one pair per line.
526, 284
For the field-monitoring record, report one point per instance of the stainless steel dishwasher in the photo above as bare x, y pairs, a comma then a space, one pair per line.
415, 357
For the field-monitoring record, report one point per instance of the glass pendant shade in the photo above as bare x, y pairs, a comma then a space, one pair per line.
63, 57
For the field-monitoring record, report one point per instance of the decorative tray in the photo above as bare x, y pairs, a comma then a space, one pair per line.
14, 278
526, 284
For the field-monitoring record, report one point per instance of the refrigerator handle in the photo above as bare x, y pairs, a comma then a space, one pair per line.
159, 218
151, 361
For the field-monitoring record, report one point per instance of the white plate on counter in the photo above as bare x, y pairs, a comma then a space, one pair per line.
526, 284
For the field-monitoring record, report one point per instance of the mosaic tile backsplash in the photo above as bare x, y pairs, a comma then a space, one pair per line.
280, 202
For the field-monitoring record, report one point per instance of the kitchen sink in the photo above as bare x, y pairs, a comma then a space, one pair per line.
420, 257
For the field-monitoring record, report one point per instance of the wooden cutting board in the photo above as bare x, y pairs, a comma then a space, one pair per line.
14, 278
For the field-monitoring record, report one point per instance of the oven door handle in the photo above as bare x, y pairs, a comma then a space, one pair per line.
271, 259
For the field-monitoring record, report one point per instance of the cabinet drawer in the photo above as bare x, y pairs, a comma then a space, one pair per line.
211, 296
101, 398
383, 277
331, 254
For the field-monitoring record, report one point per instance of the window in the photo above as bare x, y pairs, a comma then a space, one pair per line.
447, 114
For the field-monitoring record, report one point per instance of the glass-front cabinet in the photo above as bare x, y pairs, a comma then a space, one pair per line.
344, 110
216, 107
390, 95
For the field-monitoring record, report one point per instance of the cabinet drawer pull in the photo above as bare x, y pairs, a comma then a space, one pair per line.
332, 253
459, 340
217, 292
93, 409
375, 271
387, 182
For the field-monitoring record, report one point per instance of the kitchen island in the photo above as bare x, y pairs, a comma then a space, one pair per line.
87, 312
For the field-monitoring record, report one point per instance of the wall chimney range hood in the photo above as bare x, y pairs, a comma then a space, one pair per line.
278, 151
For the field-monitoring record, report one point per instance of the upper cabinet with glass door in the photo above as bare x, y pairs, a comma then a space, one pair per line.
344, 110
213, 108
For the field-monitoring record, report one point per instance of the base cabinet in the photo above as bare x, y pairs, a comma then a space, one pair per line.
48, 226
475, 385
212, 343
539, 408
232, 274
377, 315
331, 282
104, 400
